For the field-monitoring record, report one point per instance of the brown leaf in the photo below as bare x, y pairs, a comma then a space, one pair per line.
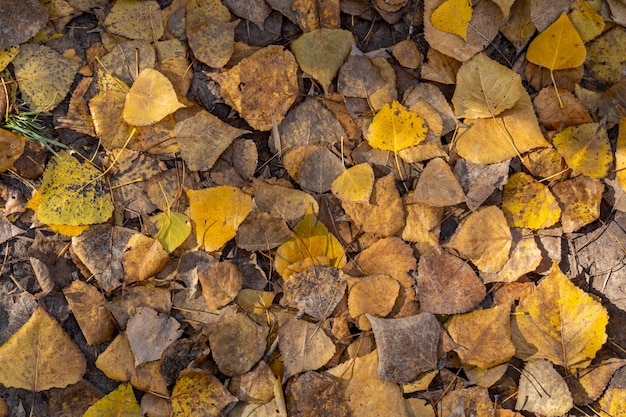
87, 305
256, 386
319, 170
437, 186
143, 258
410, 341
282, 202
390, 256
556, 113
447, 284
315, 394
316, 291
220, 281
580, 200
464, 401
260, 231
479, 181
373, 294
149, 333
304, 347
422, 225
542, 390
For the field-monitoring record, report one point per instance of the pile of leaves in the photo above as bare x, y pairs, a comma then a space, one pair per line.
298, 208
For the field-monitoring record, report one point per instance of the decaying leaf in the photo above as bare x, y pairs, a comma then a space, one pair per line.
221, 281
316, 291
580, 199
135, 20
11, 148
542, 390
210, 32
120, 401
143, 258
565, 324
40, 356
585, 148
149, 333
315, 393
411, 341
389, 256
198, 393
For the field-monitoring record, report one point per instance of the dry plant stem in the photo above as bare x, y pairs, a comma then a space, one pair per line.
556, 90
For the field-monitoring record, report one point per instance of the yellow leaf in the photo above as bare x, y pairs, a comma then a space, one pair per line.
40, 356
484, 238
173, 229
312, 243
135, 19
216, 214
493, 140
565, 324
483, 337
355, 184
606, 56
613, 402
453, 16
395, 128
485, 88
529, 204
586, 149
586, 20
196, 391
144, 257
150, 99
7, 55
558, 47
620, 152
73, 194
119, 402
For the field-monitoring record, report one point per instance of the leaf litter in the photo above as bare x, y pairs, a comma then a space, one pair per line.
296, 204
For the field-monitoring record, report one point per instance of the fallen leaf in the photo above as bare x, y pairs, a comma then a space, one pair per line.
321, 52
216, 214
563, 323
529, 204
106, 112
447, 284
605, 55
316, 291
210, 32
558, 111
389, 256
220, 281
199, 394
135, 20
483, 337
453, 16
365, 392
359, 77
542, 390
464, 401
374, 295
262, 86
585, 148
256, 11
150, 99
40, 356
129, 58
21, 20
149, 333
87, 305
484, 238
590, 384
260, 231
612, 402
73, 193
283, 202
78, 116
411, 341
319, 170
144, 257
519, 28
395, 128
202, 138
525, 257
558, 47
422, 226
304, 346
407, 54
312, 244
588, 23
172, 229
315, 393
485, 378
11, 148
579, 199
439, 67
237, 342
120, 401
485, 88
355, 184
437, 186
488, 141
620, 153
479, 181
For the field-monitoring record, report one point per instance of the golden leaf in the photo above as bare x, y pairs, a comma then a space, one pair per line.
453, 16
150, 99
395, 128
529, 204
355, 184
558, 47
586, 149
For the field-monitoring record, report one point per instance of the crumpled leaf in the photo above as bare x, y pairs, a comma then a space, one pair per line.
528, 203
120, 401
40, 356
73, 193
542, 390
44, 76
135, 20
210, 32
483, 337
558, 47
150, 99
492, 140
321, 52
411, 341
262, 86
312, 245
199, 394
484, 88
484, 238
217, 213
565, 324
453, 16
395, 128
149, 333
447, 284
304, 346
585, 148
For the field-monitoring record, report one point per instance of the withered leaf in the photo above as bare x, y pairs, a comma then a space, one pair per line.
316, 291
220, 281
579, 199
196, 389
261, 231
542, 390
319, 170
149, 333
283, 202
87, 305
314, 393
437, 186
374, 294
390, 256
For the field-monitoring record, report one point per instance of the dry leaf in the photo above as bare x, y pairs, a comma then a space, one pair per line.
40, 356
316, 291
87, 305
563, 323
484, 238
129, 58
407, 54
143, 258
606, 55
422, 225
210, 32
529, 204
410, 341
21, 20
260, 231
437, 186
319, 170
150, 99
542, 390
120, 401
579, 199
315, 394
525, 257
374, 294
395, 128
389, 256
282, 202
221, 281
447, 284
256, 386
479, 181
556, 112
464, 401
149, 333
590, 383
485, 88
585, 148
453, 16
483, 337
355, 184
135, 20
304, 346
199, 394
